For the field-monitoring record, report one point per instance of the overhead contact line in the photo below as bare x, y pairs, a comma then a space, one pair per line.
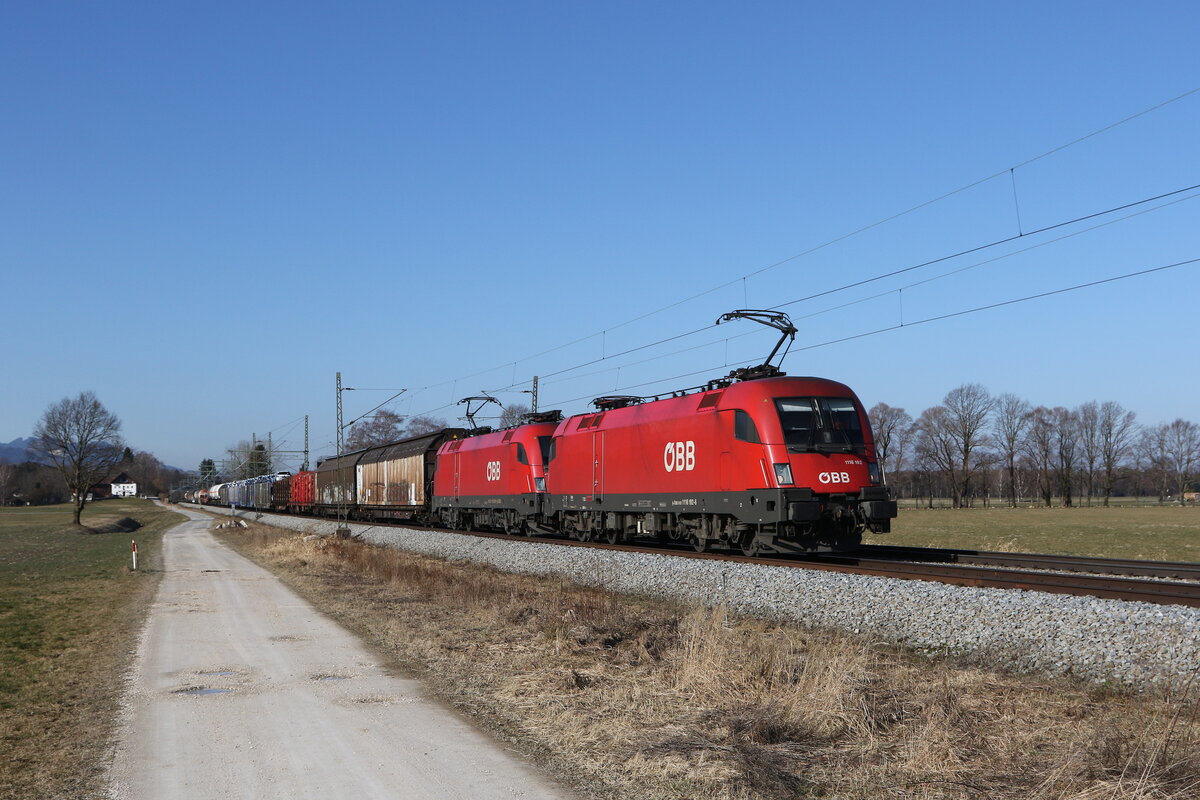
1009, 170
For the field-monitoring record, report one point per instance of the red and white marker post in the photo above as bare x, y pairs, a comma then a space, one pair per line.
135, 555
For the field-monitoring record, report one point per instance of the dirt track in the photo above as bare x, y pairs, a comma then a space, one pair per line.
241, 689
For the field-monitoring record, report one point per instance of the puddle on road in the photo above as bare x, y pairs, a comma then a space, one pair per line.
321, 676
201, 690
221, 673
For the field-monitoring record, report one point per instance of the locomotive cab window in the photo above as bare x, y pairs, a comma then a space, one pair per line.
823, 424
522, 458
547, 445
743, 427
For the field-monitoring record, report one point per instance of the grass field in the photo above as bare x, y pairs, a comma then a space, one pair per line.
1162, 533
70, 613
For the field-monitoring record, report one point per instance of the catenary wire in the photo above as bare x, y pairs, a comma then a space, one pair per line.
828, 243
843, 237
883, 276
899, 326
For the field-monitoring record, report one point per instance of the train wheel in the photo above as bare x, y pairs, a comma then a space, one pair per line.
749, 544
613, 536
699, 544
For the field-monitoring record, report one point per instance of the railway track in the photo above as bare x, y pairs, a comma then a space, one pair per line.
1038, 575
1143, 589
1055, 574
1184, 570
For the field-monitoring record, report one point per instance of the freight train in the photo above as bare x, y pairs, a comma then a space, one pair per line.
757, 461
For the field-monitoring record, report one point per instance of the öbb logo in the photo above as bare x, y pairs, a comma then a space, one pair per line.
679, 456
834, 477
493, 470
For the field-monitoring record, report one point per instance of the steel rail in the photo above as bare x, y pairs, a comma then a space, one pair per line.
1185, 570
1108, 587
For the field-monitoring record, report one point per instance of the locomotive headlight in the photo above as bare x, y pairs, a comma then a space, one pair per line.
539, 484
783, 474
873, 472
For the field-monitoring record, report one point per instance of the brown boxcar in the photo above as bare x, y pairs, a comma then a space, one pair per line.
396, 480
281, 491
335, 482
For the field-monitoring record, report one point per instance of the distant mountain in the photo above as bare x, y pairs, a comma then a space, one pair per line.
16, 451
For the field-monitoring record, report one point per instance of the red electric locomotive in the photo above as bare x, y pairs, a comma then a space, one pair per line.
759, 461
494, 479
784, 464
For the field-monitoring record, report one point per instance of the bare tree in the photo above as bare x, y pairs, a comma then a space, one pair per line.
423, 424
1088, 420
1151, 453
248, 460
935, 450
82, 439
1066, 439
893, 429
1117, 431
513, 415
382, 427
1009, 423
1038, 447
967, 410
1181, 456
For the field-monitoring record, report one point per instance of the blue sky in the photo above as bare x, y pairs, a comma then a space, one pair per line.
208, 210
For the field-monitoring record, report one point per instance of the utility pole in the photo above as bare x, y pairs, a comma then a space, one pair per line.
304, 467
342, 529
533, 399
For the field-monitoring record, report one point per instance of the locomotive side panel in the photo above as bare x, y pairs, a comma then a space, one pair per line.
669, 455
781, 462
492, 479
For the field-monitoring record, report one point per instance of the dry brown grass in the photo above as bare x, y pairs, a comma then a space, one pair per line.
627, 698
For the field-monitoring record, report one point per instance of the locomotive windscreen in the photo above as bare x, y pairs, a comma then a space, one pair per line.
829, 424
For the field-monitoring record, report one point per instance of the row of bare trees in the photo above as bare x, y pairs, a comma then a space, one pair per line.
386, 426
979, 445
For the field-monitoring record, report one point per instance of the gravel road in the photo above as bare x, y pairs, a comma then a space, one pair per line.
242, 690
